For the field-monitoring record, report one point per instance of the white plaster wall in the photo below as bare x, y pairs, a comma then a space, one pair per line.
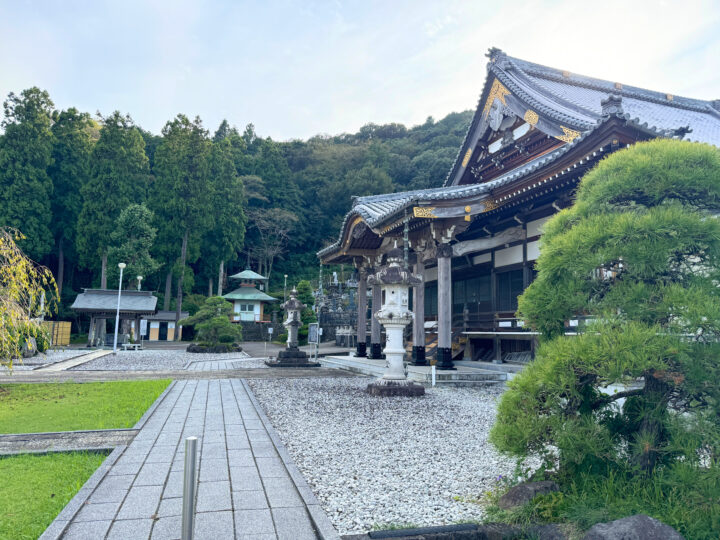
479, 259
534, 227
533, 250
510, 255
430, 274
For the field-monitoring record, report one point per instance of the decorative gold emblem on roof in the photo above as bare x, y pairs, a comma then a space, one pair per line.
489, 205
531, 117
496, 91
424, 212
466, 159
569, 135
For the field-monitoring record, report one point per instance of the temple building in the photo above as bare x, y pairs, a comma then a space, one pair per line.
249, 301
536, 132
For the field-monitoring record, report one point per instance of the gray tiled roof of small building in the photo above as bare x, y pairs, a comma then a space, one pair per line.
106, 300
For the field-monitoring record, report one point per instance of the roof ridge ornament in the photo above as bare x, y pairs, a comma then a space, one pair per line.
612, 105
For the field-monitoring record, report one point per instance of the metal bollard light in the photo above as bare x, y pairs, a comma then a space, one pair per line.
188, 503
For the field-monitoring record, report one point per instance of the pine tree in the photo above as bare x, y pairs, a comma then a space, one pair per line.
639, 255
69, 173
119, 175
25, 155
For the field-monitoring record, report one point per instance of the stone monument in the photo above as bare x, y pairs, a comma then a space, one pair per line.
394, 280
292, 356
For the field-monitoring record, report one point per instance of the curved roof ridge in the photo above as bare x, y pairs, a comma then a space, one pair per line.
604, 85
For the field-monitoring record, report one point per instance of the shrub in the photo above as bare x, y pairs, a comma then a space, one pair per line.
638, 254
212, 323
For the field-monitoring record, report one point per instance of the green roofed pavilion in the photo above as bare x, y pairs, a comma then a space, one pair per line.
248, 301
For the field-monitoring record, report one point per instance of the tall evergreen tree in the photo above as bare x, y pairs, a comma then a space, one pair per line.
182, 190
119, 175
225, 239
69, 173
25, 155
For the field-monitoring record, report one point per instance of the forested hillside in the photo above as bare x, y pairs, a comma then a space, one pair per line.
182, 207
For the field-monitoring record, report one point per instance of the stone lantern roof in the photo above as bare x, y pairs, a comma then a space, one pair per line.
293, 304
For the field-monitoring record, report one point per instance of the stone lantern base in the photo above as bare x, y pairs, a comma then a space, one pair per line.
389, 388
291, 357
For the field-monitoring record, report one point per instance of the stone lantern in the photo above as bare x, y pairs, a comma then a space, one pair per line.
394, 280
292, 356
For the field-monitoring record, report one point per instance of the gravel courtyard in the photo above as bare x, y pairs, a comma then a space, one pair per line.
160, 360
374, 462
49, 357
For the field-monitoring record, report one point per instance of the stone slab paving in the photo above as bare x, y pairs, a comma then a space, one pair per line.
247, 485
250, 363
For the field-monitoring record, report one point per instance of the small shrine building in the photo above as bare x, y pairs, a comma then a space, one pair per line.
536, 131
248, 300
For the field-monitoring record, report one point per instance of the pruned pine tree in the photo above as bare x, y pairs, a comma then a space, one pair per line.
638, 254
25, 155
182, 192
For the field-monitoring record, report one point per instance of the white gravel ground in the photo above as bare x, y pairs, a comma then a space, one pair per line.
160, 360
49, 357
380, 461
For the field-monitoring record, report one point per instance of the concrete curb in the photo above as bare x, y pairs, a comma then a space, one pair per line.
60, 523
324, 527
65, 441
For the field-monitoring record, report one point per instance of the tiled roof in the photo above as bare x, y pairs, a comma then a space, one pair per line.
248, 274
643, 106
576, 101
97, 300
249, 293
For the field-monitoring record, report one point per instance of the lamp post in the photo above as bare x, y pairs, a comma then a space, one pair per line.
139, 278
285, 290
121, 266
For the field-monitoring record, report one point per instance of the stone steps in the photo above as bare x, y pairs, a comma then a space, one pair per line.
463, 376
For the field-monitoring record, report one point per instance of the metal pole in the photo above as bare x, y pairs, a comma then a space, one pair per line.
188, 503
117, 314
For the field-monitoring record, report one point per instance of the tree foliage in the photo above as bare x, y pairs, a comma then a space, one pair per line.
25, 288
212, 323
25, 156
132, 239
638, 254
119, 175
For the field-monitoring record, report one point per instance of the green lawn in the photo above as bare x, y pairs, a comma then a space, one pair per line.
35, 487
32, 408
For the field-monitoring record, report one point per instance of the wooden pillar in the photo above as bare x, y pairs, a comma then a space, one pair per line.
375, 345
444, 350
418, 350
361, 349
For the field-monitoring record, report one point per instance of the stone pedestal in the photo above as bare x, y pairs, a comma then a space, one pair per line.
292, 356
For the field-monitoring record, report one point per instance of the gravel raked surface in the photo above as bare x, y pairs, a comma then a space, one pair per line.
374, 462
160, 360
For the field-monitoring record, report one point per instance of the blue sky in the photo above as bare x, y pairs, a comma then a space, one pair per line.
299, 68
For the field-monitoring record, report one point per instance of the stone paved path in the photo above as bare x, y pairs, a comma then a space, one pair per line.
244, 491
